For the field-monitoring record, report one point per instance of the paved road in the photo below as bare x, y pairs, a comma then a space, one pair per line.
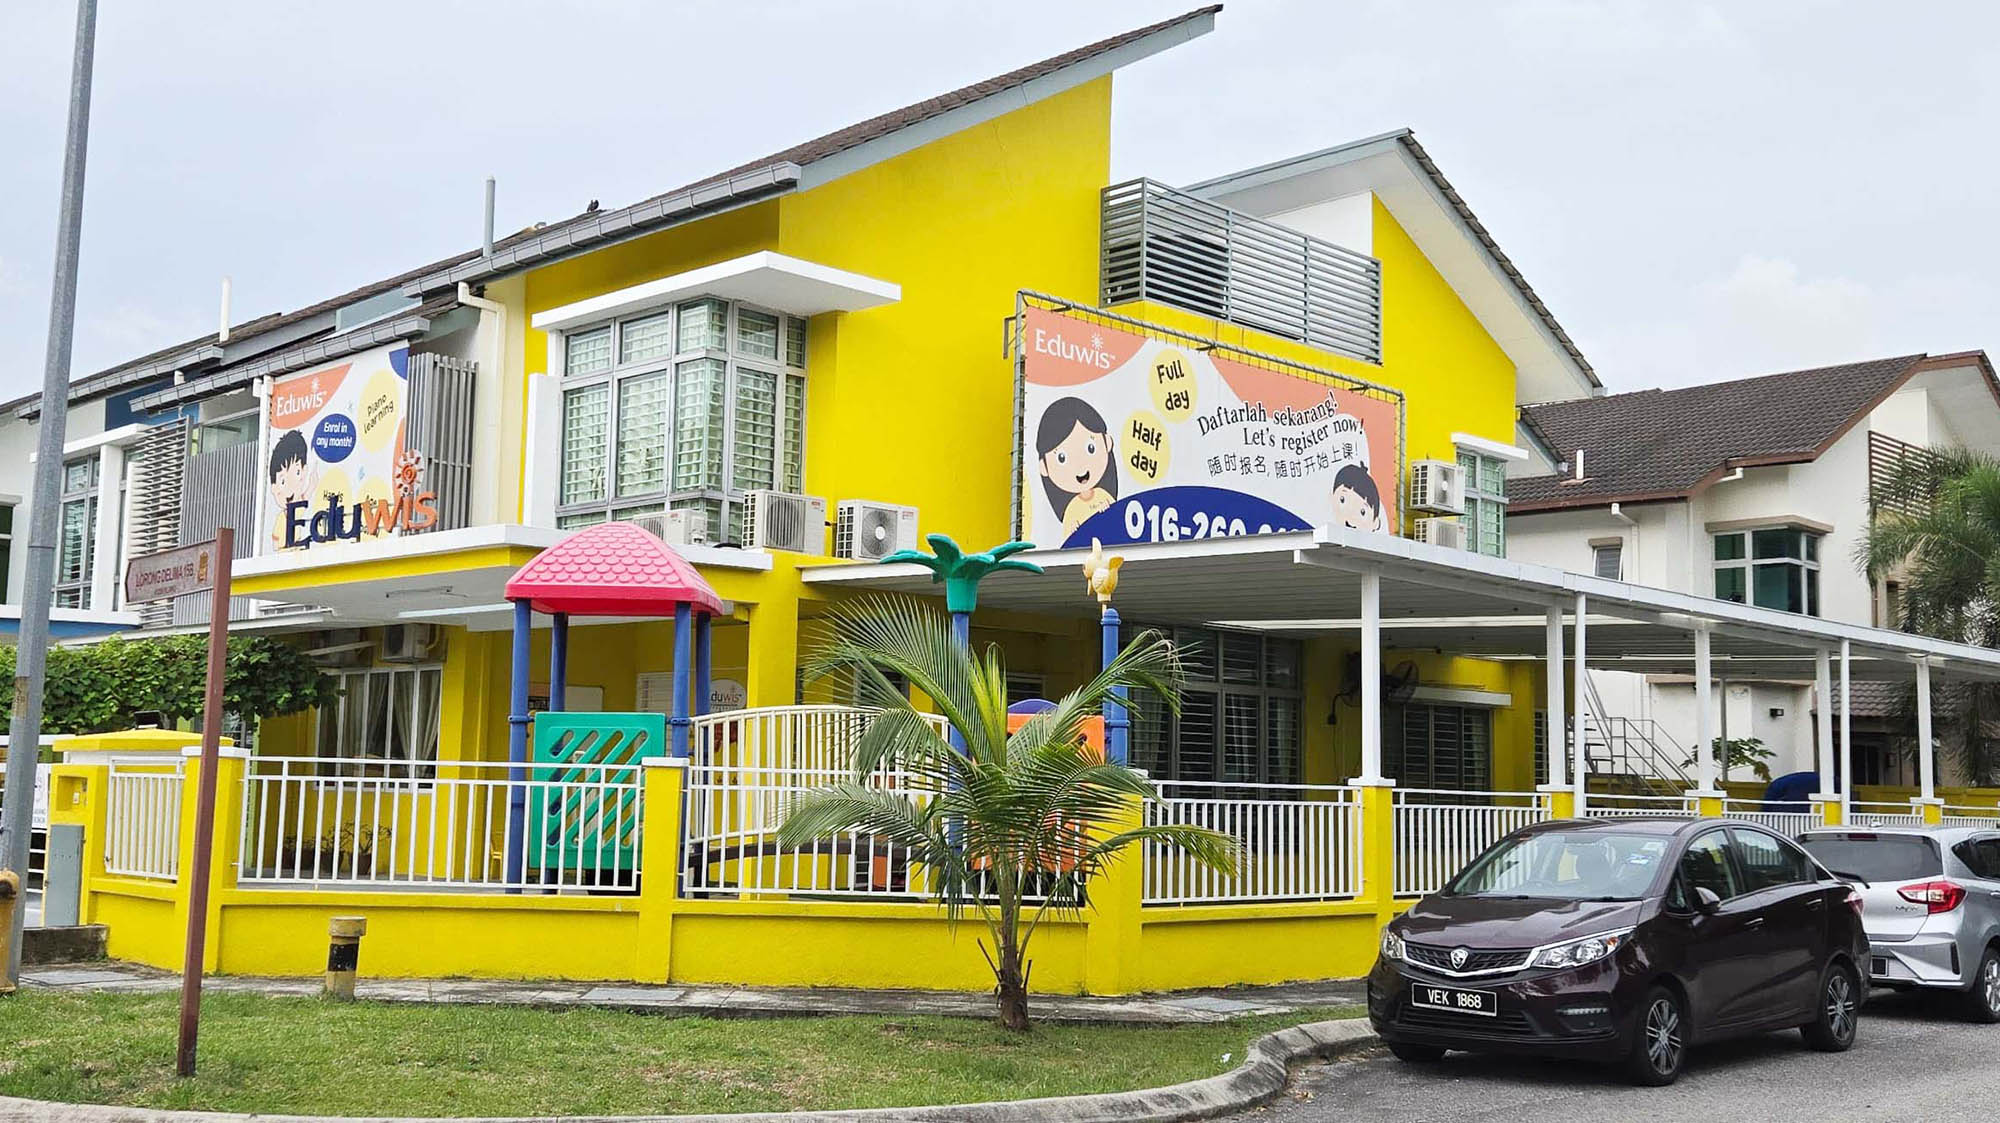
1913, 1061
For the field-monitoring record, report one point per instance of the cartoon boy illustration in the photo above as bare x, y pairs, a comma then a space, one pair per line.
1356, 501
1073, 446
292, 480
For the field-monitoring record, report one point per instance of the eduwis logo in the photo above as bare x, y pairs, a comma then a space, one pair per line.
1055, 345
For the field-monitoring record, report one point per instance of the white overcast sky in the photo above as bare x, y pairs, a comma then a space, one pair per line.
1698, 192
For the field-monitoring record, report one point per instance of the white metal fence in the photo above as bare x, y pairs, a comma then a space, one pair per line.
142, 821
324, 822
1963, 815
1297, 842
733, 817
1438, 831
1787, 823
809, 739
1598, 806
1871, 814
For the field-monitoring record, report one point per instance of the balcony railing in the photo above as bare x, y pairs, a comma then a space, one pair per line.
1166, 245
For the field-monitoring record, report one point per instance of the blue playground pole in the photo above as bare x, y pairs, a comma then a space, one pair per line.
1117, 722
558, 660
961, 630
517, 744
683, 658
701, 665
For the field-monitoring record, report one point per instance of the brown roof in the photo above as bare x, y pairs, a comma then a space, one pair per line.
1666, 444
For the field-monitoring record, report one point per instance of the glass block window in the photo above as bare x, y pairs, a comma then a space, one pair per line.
687, 408
644, 408
704, 325
587, 352
651, 337
756, 333
586, 438
1485, 480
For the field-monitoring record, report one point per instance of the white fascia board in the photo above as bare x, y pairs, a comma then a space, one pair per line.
765, 278
1489, 447
1463, 696
867, 572
121, 436
457, 541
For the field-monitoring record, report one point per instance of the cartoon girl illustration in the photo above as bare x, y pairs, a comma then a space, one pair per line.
1356, 501
1074, 447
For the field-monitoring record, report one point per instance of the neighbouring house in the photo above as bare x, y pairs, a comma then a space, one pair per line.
946, 319
1756, 491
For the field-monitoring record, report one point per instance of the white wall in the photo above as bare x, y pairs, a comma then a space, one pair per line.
1348, 222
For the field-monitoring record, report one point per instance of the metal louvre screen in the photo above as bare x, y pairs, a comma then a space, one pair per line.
155, 489
219, 489
1166, 245
440, 420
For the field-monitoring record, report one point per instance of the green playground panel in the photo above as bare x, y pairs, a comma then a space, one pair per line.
574, 822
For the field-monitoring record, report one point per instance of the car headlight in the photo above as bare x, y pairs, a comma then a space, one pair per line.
1576, 953
1392, 945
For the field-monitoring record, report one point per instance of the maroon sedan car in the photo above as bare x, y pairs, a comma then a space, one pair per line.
1626, 940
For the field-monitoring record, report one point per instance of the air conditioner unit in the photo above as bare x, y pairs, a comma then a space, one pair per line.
684, 526
408, 643
1448, 533
868, 531
778, 520
1436, 486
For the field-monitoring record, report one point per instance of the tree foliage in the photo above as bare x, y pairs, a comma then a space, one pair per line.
1936, 529
1013, 827
105, 686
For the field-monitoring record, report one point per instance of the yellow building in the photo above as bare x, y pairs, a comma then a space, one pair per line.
1305, 378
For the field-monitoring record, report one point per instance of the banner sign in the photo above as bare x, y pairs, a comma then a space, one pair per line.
170, 573
336, 465
1128, 438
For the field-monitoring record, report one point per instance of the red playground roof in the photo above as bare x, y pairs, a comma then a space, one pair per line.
612, 569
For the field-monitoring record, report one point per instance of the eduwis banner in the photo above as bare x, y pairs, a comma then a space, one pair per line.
335, 463
1133, 439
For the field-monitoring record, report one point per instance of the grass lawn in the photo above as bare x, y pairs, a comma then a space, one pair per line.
303, 1055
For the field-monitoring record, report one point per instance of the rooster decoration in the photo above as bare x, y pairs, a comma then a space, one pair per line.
1100, 572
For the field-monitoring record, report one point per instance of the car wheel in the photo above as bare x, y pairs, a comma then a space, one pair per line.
1659, 1047
1416, 1054
1839, 1011
1982, 1002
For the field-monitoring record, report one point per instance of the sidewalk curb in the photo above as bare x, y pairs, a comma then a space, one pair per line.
1263, 1074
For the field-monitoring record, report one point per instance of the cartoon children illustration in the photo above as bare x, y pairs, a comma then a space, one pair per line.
291, 480
1356, 501
1074, 447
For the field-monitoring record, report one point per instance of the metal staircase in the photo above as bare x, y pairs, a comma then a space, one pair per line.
1637, 752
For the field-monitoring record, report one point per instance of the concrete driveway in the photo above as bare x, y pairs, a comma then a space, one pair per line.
1914, 1061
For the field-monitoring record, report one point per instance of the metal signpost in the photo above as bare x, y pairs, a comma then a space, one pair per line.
203, 567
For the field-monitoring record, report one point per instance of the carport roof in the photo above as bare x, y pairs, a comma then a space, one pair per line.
1309, 582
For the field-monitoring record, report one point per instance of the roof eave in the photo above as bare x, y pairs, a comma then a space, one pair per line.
284, 362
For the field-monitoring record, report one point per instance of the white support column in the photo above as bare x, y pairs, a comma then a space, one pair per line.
1926, 749
1823, 725
1704, 715
1554, 727
1579, 760
106, 574
1846, 771
1371, 679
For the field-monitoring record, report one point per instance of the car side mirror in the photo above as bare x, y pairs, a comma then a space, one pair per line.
1705, 900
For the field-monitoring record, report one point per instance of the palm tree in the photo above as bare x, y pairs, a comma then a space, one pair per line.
1937, 526
1013, 827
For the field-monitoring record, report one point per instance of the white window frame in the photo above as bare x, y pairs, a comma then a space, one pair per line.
1811, 540
1473, 464
1616, 551
727, 498
89, 497
353, 691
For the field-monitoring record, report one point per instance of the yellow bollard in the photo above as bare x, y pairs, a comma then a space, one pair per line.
10, 899
343, 955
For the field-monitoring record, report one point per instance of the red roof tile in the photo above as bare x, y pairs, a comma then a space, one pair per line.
612, 569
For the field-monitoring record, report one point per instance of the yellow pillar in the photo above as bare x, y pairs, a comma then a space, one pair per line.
773, 670
1117, 896
1932, 811
660, 849
1562, 802
225, 856
1829, 812
1708, 805
1378, 849
76, 798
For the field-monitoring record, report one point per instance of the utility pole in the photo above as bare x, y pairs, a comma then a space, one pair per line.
24, 738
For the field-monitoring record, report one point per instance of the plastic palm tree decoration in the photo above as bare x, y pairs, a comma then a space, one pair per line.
961, 572
1012, 827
